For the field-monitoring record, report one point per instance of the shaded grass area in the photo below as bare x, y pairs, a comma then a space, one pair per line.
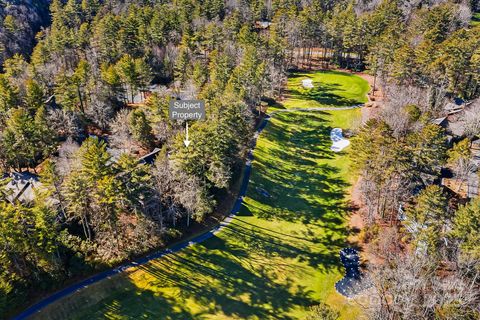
475, 19
331, 89
278, 257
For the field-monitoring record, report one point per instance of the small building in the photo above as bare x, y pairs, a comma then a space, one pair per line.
465, 188
21, 187
262, 25
475, 150
456, 105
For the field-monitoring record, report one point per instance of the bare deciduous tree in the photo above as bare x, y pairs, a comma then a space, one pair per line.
65, 161
65, 123
411, 287
121, 137
472, 119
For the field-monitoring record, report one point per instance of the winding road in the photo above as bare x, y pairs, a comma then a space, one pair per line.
178, 247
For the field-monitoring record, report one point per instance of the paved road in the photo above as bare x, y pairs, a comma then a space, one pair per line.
173, 249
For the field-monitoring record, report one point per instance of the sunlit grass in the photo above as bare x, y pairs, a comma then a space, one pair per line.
331, 89
475, 19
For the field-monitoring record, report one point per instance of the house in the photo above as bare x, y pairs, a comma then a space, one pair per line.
453, 120
456, 105
467, 187
475, 151
442, 122
262, 25
142, 95
22, 187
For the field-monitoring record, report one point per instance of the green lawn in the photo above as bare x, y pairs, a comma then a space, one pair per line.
332, 89
279, 255
475, 19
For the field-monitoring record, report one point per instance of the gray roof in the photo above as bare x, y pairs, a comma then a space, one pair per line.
22, 187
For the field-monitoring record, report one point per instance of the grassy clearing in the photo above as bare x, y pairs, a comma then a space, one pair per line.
279, 255
332, 89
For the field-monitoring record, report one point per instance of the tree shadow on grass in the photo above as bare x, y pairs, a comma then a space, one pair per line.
219, 278
324, 93
267, 243
129, 302
302, 187
244, 272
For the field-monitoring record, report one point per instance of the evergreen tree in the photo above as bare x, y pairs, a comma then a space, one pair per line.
466, 228
429, 218
140, 128
34, 96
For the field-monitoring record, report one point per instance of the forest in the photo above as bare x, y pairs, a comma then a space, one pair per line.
84, 94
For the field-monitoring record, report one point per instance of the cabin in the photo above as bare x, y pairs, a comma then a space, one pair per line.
21, 187
467, 187
262, 24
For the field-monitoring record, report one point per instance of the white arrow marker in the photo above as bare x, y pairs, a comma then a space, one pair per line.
186, 141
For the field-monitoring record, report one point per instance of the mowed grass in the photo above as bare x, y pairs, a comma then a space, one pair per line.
475, 19
331, 89
277, 258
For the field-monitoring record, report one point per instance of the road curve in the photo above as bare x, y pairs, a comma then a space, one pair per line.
32, 310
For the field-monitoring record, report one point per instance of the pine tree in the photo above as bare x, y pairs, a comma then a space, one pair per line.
20, 140
34, 96
182, 65
140, 128
46, 137
8, 96
428, 149
95, 160
128, 73
429, 218
466, 228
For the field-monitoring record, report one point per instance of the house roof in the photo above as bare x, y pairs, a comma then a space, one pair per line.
262, 24
439, 121
22, 187
149, 158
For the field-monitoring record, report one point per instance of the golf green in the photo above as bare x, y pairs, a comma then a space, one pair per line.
279, 255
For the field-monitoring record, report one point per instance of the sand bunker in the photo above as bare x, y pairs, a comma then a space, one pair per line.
307, 83
338, 142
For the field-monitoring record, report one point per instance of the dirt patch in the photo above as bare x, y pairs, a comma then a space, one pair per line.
376, 98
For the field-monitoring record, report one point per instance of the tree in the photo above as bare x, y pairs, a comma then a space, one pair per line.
182, 64
72, 91
26, 140
385, 167
140, 128
46, 137
34, 96
428, 148
428, 219
126, 69
466, 228
29, 249
460, 161
8, 96
134, 74
247, 79
410, 287
322, 312
80, 185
